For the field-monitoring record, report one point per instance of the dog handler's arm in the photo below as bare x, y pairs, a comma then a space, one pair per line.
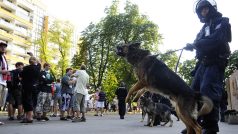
139, 85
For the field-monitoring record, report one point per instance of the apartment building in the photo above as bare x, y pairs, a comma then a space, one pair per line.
21, 22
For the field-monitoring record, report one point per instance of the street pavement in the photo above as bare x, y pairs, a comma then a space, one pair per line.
107, 124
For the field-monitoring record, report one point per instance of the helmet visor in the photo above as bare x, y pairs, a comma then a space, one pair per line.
200, 3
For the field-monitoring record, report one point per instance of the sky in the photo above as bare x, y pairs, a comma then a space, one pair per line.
177, 21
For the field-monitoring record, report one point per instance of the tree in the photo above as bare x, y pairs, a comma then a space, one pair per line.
42, 42
110, 85
101, 39
80, 57
170, 59
185, 70
76, 61
60, 33
44, 49
232, 64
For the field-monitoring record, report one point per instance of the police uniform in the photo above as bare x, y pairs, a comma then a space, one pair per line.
212, 52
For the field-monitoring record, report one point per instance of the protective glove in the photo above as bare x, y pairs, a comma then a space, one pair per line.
189, 47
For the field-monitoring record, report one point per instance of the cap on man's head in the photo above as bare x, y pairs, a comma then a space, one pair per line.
3, 44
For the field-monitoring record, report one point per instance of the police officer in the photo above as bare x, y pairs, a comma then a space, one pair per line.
212, 52
121, 93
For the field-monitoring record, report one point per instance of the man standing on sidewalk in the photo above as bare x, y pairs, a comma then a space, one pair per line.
44, 97
30, 77
67, 86
80, 92
4, 73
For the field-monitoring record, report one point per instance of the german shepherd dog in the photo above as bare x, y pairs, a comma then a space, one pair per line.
142, 93
154, 75
153, 109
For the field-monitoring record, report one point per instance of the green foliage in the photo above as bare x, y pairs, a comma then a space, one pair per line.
100, 40
232, 64
76, 60
185, 70
45, 54
60, 33
169, 59
109, 85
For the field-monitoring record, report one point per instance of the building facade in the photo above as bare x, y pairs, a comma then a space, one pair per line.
21, 22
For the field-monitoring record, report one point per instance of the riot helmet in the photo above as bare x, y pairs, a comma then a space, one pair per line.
210, 4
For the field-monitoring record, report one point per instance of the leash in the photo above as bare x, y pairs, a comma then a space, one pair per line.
176, 67
173, 51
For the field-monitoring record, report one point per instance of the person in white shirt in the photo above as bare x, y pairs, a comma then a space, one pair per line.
4, 74
81, 90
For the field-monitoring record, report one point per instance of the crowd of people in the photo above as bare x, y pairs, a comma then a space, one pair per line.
33, 93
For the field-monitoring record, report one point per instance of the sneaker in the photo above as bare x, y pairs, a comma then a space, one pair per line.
34, 117
101, 114
95, 114
63, 119
38, 118
26, 121
1, 123
76, 119
45, 118
20, 117
82, 119
11, 118
69, 117
53, 115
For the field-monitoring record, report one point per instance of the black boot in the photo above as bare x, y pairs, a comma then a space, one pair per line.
121, 117
207, 131
184, 131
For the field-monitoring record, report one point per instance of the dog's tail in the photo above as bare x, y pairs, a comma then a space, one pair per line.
207, 105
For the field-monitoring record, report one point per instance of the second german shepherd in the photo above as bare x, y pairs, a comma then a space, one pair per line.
155, 76
153, 109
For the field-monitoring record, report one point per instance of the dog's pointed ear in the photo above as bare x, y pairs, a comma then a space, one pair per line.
137, 44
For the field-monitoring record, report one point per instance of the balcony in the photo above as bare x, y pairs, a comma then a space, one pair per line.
22, 15
7, 14
6, 36
6, 25
21, 41
8, 5
22, 32
25, 4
